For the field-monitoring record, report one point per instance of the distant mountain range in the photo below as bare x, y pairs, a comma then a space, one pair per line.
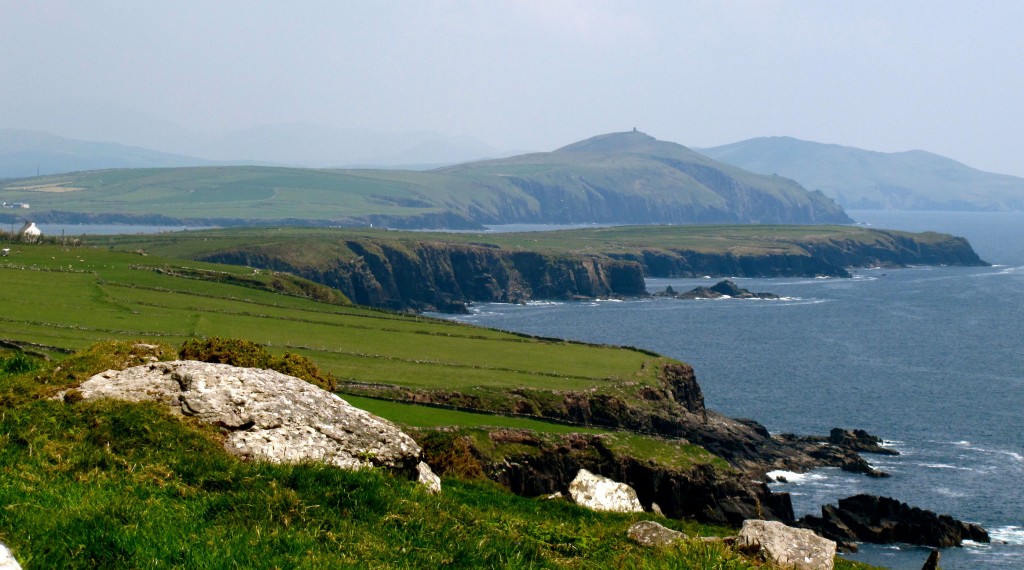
863, 179
31, 153
25, 153
618, 178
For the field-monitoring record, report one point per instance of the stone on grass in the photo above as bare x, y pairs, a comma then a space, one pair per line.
602, 494
266, 415
426, 477
650, 533
787, 547
7, 561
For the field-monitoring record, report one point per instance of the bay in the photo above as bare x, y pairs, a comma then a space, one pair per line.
929, 358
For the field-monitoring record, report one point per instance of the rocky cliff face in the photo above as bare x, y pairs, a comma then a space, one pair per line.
424, 275
445, 276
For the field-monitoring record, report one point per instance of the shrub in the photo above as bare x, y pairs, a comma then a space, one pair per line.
17, 363
235, 352
249, 354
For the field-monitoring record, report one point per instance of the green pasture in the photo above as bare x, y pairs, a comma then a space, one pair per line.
71, 297
312, 247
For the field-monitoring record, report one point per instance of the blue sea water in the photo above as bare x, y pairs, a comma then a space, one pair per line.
929, 358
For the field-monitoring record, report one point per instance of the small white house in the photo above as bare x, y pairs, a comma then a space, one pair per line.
29, 232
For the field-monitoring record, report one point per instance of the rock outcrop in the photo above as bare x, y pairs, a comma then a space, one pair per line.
409, 273
787, 547
7, 560
724, 288
602, 494
650, 533
435, 276
265, 415
883, 520
702, 492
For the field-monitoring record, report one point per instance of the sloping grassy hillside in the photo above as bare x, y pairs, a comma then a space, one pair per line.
116, 485
626, 178
70, 297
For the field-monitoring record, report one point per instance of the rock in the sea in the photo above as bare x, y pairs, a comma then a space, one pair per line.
267, 415
724, 288
787, 547
933, 561
883, 520
7, 561
650, 533
859, 440
602, 494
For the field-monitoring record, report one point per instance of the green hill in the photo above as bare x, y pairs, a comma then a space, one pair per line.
868, 180
616, 179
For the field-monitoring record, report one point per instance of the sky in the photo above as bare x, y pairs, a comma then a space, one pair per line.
942, 76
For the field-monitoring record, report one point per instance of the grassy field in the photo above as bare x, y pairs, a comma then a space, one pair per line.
309, 244
70, 297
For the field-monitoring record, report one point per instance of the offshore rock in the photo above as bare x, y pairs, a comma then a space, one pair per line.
859, 440
883, 520
787, 547
602, 494
724, 288
266, 415
650, 533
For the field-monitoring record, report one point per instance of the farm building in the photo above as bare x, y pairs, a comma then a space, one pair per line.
29, 232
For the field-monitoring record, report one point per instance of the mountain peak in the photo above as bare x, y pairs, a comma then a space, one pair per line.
612, 142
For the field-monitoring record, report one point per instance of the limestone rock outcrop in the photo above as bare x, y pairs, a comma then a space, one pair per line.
650, 533
787, 547
7, 561
266, 415
602, 494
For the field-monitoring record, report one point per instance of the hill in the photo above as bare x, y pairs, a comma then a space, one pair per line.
868, 180
27, 153
618, 178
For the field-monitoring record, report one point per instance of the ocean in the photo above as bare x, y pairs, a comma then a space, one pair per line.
929, 358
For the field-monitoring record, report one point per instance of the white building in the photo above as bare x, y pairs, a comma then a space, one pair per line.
29, 232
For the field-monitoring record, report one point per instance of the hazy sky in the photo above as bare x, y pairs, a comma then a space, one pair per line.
521, 74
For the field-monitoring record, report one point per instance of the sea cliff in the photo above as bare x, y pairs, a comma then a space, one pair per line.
402, 271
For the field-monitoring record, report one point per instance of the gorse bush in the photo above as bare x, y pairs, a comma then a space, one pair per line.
248, 354
17, 363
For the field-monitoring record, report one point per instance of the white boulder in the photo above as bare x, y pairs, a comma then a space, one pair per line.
602, 494
267, 415
788, 547
7, 561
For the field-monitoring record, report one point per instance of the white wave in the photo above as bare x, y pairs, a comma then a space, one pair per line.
608, 300
947, 492
793, 477
1016, 456
943, 466
543, 303
1012, 534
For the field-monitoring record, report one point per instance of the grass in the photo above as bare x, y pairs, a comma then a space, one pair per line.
659, 180
313, 247
71, 297
105, 484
